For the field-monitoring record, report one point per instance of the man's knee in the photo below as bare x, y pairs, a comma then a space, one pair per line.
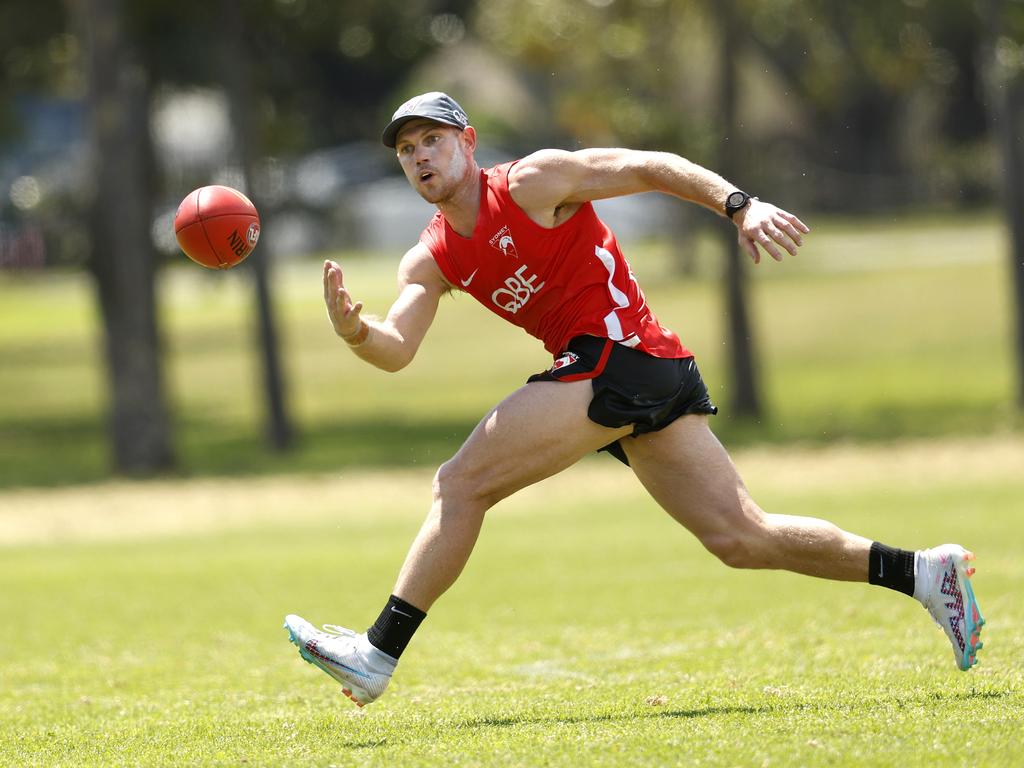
457, 485
743, 540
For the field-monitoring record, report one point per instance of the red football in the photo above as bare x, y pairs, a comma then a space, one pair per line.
217, 226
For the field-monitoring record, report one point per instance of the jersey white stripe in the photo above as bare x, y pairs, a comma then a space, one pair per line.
611, 322
609, 263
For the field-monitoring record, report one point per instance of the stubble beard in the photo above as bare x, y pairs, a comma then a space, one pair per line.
454, 176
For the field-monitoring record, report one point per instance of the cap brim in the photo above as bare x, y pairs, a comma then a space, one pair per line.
390, 135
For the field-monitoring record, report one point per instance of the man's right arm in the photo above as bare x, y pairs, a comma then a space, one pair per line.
550, 184
389, 344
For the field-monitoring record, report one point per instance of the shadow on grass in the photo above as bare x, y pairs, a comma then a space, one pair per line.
508, 722
529, 720
968, 695
775, 708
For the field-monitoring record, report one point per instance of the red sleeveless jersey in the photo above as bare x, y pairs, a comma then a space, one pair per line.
555, 283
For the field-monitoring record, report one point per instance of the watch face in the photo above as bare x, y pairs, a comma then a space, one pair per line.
735, 200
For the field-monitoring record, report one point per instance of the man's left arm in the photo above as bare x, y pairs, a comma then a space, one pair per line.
550, 179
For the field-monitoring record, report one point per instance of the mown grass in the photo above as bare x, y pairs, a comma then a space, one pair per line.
143, 617
588, 629
877, 330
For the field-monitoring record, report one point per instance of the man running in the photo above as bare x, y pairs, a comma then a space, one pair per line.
524, 240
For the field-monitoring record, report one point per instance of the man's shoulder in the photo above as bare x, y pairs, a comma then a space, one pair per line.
542, 160
541, 182
499, 173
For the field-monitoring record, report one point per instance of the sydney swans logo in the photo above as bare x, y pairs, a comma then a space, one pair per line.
502, 240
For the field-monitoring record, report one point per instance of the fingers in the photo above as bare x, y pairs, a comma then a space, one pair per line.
327, 282
339, 303
793, 221
332, 280
774, 230
762, 238
780, 237
334, 286
342, 312
748, 245
332, 272
791, 225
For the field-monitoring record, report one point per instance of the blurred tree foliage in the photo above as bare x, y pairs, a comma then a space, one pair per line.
610, 72
860, 105
323, 72
879, 103
37, 55
890, 93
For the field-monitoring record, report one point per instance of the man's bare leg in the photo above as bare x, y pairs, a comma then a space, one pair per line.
543, 428
536, 432
690, 475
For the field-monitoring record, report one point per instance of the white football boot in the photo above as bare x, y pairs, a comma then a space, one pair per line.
942, 584
363, 670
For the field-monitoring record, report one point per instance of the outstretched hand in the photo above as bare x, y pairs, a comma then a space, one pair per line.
344, 314
763, 224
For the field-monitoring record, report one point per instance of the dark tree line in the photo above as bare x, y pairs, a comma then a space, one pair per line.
296, 74
667, 74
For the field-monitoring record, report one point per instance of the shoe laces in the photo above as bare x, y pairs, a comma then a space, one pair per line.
334, 629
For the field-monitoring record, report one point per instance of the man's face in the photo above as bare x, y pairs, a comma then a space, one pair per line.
436, 158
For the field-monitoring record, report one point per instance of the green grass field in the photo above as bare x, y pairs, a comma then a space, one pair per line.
144, 616
143, 623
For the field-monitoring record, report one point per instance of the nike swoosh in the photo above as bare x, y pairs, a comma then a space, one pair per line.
402, 613
465, 284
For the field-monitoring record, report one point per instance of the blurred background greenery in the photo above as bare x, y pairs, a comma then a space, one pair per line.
893, 128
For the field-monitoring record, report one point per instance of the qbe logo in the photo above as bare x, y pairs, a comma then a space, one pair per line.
517, 291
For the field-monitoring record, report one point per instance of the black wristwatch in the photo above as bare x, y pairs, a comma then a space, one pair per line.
736, 201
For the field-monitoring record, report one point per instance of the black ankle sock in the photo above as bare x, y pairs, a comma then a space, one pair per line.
395, 626
892, 568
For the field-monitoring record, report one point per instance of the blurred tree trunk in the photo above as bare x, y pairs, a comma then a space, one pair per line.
123, 261
1006, 112
746, 399
238, 68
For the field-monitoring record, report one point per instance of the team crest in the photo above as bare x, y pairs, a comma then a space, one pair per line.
503, 242
564, 361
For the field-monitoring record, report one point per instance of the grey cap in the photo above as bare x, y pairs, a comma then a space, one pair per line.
435, 105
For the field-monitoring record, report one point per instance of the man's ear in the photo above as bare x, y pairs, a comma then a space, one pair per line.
469, 136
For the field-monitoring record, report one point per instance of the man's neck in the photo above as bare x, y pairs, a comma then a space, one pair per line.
462, 208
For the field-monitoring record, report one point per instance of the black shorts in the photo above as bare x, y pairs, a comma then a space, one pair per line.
631, 387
